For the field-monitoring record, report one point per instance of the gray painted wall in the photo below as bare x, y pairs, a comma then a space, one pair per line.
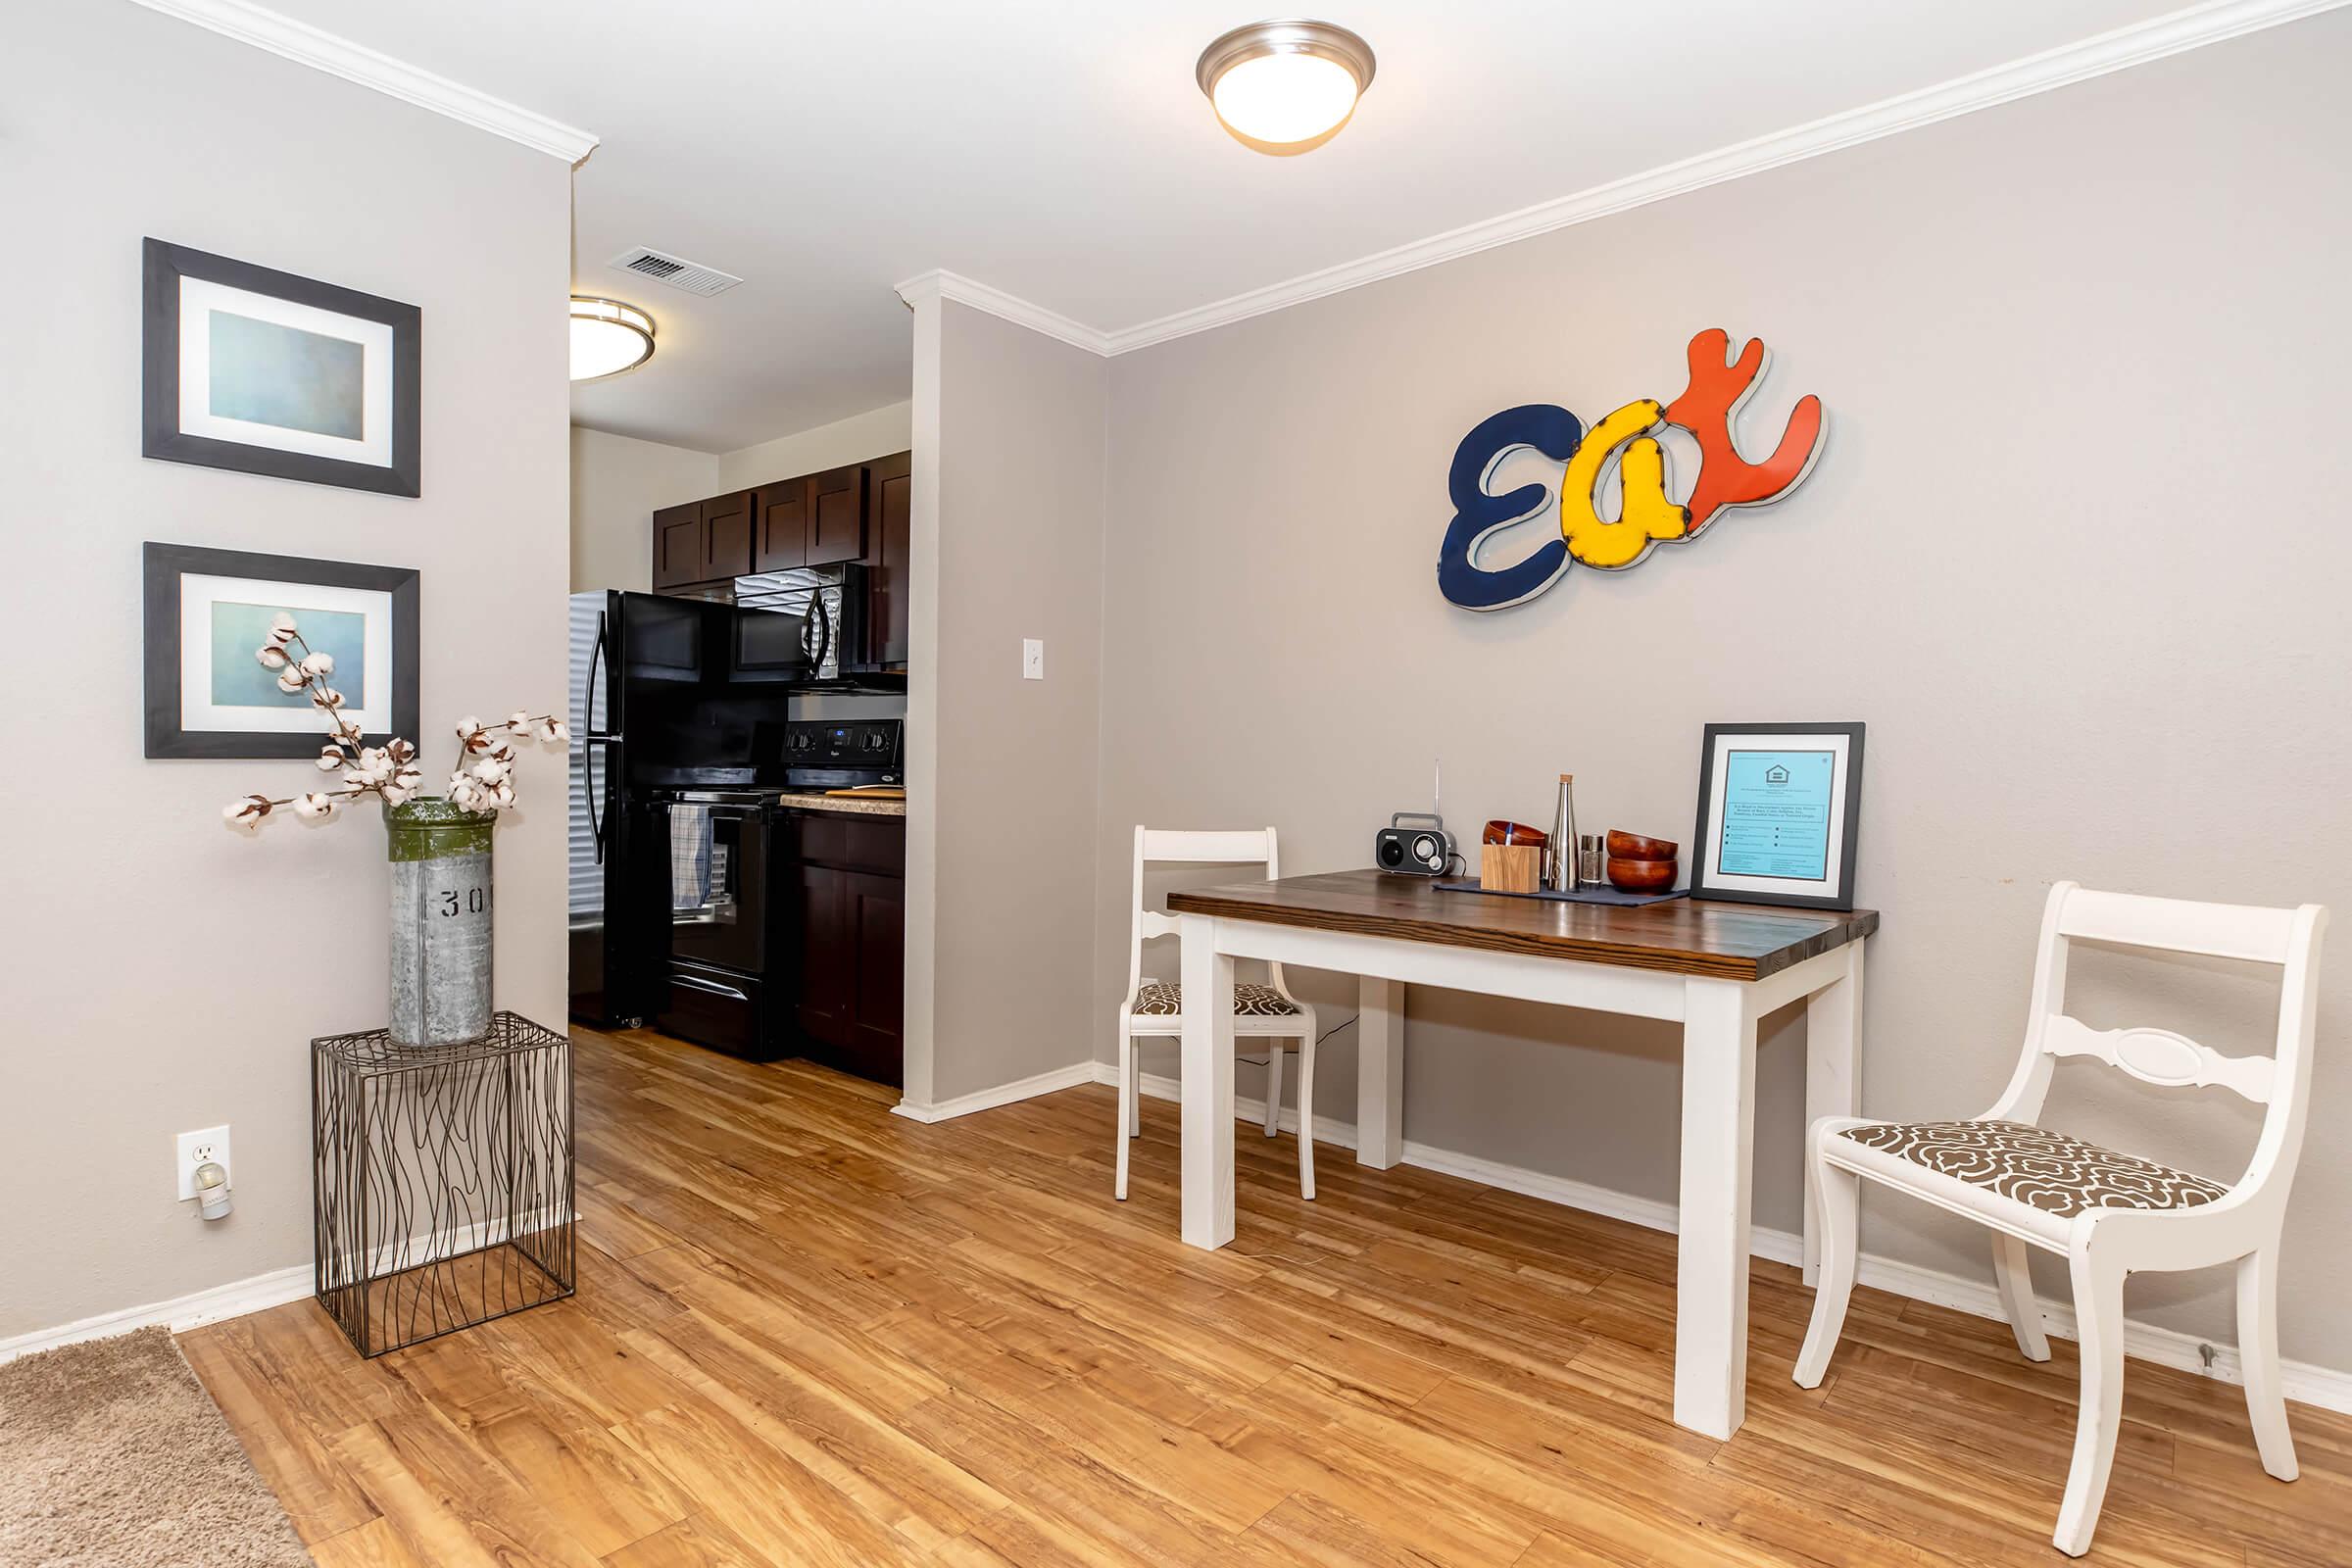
618, 482
2069, 552
159, 973
1006, 799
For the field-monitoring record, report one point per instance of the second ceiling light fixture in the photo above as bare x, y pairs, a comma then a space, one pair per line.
1285, 87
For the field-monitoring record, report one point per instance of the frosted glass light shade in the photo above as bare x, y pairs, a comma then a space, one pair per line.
1285, 87
608, 338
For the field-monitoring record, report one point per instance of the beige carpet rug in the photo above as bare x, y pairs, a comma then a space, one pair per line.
111, 1456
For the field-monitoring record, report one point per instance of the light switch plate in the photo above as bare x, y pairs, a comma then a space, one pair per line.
1032, 658
195, 1148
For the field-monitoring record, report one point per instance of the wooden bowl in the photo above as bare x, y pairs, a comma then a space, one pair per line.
1634, 847
1640, 876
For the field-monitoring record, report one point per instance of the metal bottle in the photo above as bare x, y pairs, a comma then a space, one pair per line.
1559, 856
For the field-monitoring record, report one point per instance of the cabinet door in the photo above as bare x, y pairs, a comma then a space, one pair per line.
727, 536
678, 545
828, 956
837, 516
889, 550
875, 907
780, 533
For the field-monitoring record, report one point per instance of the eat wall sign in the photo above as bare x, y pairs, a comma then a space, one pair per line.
1624, 444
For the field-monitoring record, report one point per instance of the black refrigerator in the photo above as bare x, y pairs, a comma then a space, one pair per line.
667, 696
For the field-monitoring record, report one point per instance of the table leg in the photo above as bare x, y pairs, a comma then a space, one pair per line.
1379, 1072
1710, 1287
1206, 1141
1833, 1072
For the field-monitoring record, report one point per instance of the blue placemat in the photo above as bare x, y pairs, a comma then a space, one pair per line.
1591, 895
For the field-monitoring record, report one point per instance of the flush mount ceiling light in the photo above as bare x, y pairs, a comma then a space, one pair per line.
608, 338
1285, 87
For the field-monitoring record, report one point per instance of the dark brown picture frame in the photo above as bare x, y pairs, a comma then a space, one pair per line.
1849, 812
160, 435
162, 567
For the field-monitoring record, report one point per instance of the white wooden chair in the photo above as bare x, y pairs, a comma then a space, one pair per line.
2108, 1214
1260, 1012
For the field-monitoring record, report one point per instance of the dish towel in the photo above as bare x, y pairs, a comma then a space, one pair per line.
689, 855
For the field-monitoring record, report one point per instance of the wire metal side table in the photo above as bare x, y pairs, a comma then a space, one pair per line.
442, 1180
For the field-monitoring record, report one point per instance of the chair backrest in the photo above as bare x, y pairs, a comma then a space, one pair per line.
2286, 938
1162, 845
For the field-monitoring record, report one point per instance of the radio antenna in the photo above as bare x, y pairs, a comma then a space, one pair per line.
1437, 786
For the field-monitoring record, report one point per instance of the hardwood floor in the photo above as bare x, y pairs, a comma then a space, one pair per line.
808, 1332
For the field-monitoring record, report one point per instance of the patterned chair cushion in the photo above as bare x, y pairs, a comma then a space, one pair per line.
2032, 1165
1164, 998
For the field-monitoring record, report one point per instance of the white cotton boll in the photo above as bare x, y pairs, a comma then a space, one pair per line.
282, 622
467, 725
519, 722
234, 811
394, 795
319, 665
313, 804
272, 655
330, 757
292, 680
504, 793
558, 730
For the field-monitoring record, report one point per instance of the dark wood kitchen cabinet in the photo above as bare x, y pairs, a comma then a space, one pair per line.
889, 542
837, 516
727, 536
780, 540
851, 909
679, 546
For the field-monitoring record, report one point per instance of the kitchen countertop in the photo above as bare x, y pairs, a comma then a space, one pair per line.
846, 805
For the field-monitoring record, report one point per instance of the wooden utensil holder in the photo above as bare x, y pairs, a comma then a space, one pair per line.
1510, 867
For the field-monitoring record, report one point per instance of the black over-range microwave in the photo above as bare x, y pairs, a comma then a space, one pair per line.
806, 624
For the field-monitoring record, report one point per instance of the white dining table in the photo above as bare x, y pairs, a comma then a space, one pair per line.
1714, 967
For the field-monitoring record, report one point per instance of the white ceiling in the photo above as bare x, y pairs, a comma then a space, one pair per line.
1059, 150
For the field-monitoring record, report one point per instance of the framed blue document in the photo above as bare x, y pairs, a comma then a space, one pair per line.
1778, 806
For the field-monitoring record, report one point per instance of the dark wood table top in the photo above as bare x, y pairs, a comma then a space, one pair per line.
1681, 936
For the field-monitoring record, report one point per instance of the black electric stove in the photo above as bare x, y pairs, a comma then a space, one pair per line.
732, 853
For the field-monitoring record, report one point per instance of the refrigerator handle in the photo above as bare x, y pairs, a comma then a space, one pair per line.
595, 829
595, 656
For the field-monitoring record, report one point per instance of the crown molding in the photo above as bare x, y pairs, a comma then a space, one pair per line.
2118, 50
2061, 67
307, 45
939, 285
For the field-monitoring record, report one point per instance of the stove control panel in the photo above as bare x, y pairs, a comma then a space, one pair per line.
870, 746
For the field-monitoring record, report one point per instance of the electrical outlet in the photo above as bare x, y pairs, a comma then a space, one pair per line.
1032, 658
197, 1147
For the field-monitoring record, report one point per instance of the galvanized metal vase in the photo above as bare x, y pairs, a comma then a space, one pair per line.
441, 968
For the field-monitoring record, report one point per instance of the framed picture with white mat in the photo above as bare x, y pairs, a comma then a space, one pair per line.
209, 610
267, 372
1778, 810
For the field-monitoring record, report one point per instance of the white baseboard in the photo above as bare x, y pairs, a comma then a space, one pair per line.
2323, 1386
182, 1314
1044, 1083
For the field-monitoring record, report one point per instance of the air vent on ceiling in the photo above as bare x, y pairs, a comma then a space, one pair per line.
675, 270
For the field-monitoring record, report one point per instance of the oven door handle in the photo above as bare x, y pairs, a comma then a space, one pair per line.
712, 986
